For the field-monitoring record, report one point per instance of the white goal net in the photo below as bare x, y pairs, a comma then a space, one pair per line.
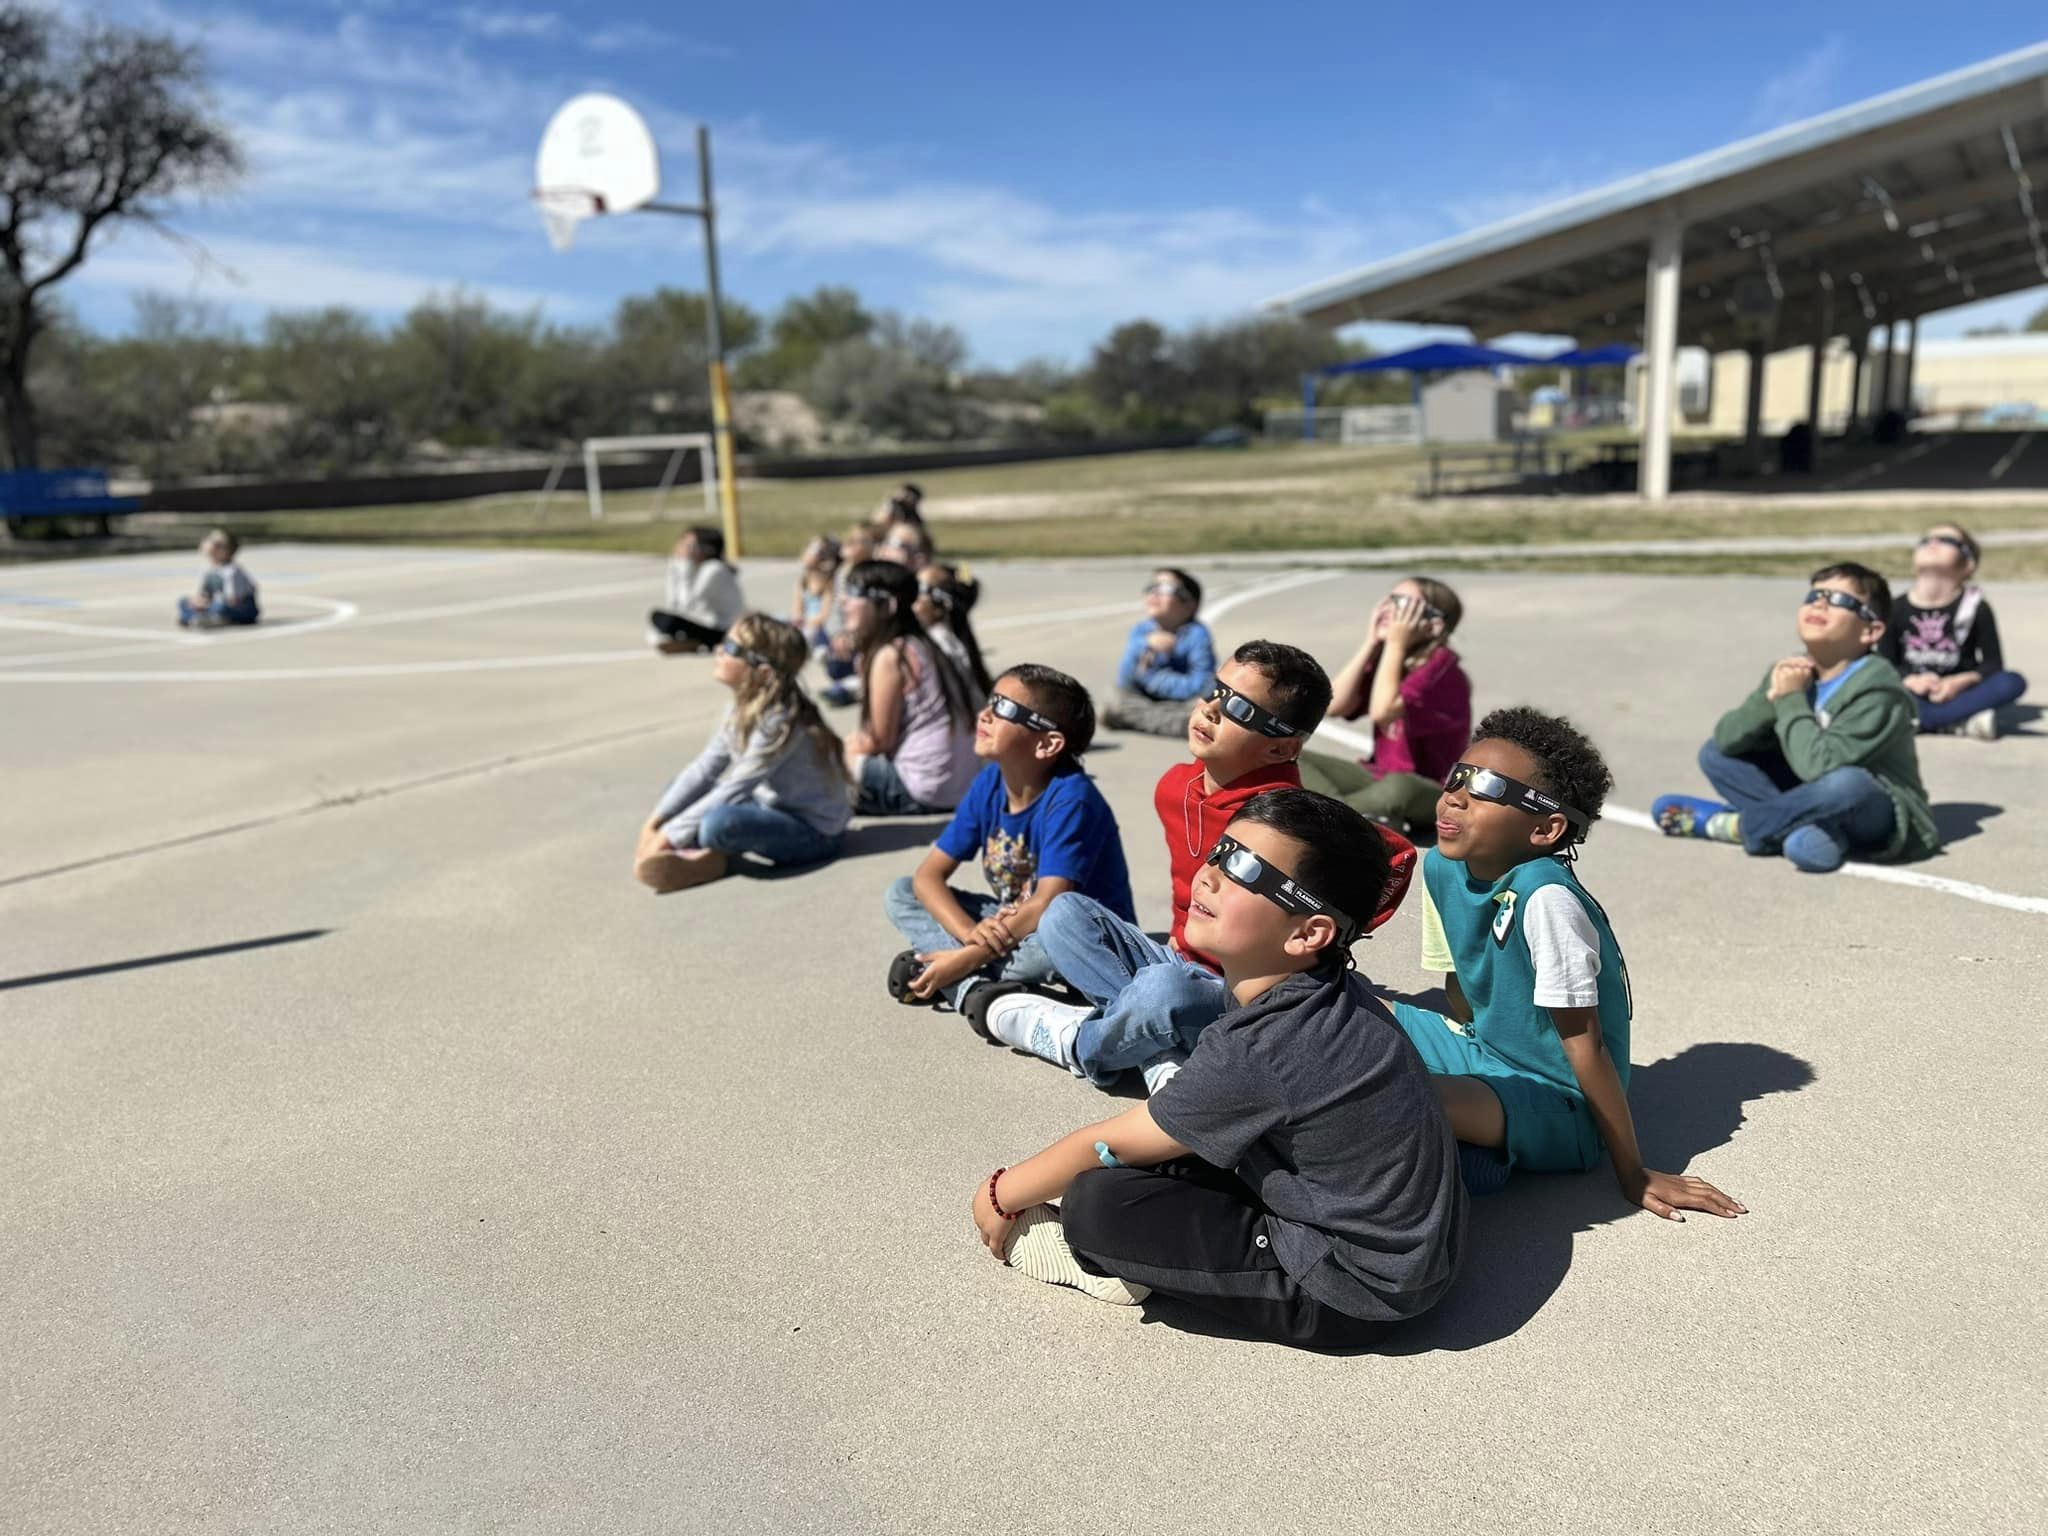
671, 450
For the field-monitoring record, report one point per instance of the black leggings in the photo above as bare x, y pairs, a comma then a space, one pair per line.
1194, 1232
676, 627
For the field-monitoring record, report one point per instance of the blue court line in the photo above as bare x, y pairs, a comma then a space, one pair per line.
37, 600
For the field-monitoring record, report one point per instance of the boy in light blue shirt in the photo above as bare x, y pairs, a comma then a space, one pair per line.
1169, 660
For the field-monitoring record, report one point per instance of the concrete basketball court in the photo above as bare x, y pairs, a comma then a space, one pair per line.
380, 1158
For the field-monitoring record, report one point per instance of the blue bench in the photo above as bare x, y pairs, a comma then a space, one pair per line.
27, 493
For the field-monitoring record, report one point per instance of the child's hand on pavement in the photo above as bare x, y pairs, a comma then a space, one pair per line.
1666, 1194
994, 1229
1791, 676
944, 967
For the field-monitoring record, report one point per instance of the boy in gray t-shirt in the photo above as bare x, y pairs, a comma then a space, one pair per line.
1298, 1178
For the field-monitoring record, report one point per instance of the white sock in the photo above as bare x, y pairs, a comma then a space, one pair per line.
1160, 1070
1038, 1248
1044, 1027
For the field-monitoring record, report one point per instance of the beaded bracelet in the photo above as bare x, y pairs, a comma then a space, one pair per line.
994, 1203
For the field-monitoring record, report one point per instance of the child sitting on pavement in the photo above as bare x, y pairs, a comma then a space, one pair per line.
1038, 825
1149, 1002
945, 602
1297, 1179
1943, 640
703, 596
1169, 661
913, 752
813, 604
226, 595
769, 784
1409, 681
1533, 1052
1818, 763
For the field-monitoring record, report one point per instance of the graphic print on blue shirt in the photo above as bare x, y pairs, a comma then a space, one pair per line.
1067, 833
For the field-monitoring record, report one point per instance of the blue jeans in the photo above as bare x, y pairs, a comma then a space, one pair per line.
1994, 692
1816, 825
1148, 1000
221, 612
883, 793
1027, 962
767, 833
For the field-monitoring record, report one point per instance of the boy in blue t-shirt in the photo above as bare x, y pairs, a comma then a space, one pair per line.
1169, 660
1532, 1058
1038, 825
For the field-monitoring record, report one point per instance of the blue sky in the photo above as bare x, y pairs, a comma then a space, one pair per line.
1031, 175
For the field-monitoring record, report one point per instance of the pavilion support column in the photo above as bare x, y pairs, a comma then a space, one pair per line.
1882, 400
1858, 348
1753, 410
1816, 373
1905, 390
1660, 356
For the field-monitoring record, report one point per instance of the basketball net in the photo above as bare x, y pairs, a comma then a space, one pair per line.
562, 209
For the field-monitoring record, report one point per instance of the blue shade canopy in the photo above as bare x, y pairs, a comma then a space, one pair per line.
1613, 355
1436, 357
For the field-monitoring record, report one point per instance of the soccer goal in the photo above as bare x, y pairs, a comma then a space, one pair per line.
676, 444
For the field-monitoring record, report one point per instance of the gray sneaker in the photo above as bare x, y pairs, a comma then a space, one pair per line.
1982, 726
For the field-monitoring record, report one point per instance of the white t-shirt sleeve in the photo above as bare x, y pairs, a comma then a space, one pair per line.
1564, 948
1436, 948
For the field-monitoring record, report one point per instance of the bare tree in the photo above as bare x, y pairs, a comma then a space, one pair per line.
99, 125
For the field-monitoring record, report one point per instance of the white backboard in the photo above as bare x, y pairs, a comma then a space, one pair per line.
596, 143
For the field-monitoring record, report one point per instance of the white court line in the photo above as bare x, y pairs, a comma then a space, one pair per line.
338, 612
312, 674
52, 627
1214, 610
2012, 456
1217, 609
1628, 816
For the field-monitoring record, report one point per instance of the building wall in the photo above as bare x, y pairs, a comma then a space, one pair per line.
1963, 374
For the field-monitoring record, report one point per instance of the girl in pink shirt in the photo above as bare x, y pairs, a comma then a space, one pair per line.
1408, 679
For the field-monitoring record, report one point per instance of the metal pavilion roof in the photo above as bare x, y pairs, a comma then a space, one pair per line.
1915, 201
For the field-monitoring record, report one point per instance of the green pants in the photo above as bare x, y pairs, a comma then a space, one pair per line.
1402, 797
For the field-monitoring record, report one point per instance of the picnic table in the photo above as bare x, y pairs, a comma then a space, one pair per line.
1523, 461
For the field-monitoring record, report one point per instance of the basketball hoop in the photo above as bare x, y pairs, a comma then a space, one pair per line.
563, 208
596, 157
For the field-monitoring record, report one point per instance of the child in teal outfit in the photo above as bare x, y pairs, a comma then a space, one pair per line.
1532, 1058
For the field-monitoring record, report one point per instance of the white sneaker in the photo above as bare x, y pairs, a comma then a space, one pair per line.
1038, 1248
1982, 726
1042, 1026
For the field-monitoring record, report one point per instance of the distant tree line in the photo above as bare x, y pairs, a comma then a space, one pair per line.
187, 391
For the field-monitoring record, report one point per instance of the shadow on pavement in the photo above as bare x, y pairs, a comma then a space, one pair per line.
1958, 819
1518, 1246
174, 957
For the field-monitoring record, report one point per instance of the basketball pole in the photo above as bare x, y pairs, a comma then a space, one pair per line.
714, 334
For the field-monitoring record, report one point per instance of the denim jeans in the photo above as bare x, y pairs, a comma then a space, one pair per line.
1147, 999
220, 611
1027, 962
1816, 825
1994, 692
768, 833
882, 791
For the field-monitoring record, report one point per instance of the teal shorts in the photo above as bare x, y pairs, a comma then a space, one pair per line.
1549, 1129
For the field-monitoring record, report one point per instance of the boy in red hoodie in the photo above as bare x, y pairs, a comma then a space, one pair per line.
1150, 1000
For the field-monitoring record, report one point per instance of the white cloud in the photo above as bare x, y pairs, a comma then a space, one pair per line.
498, 24
258, 275
1809, 87
387, 162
